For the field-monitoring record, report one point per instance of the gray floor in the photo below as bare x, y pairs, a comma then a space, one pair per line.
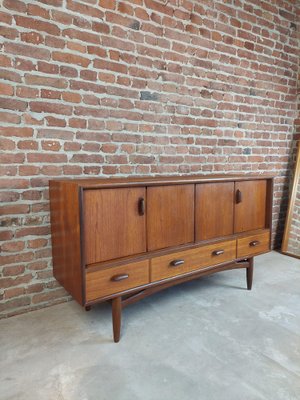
208, 339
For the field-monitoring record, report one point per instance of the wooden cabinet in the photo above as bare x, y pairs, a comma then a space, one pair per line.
124, 239
170, 216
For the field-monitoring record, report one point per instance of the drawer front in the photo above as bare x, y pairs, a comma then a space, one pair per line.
185, 261
113, 280
254, 244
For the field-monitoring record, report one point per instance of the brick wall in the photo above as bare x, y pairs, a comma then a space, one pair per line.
105, 87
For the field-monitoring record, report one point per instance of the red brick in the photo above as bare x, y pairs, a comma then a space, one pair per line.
12, 104
83, 36
5, 18
50, 145
71, 97
32, 37
37, 243
15, 5
39, 107
27, 92
5, 61
13, 292
55, 42
37, 25
76, 47
45, 81
50, 94
52, 121
24, 65
14, 259
11, 159
99, 51
62, 17
27, 145
33, 9
35, 288
85, 9
8, 33
109, 4
46, 158
7, 144
13, 270
15, 131
15, 303
24, 50
69, 58
14, 209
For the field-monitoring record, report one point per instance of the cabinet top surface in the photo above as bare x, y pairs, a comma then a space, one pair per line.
157, 180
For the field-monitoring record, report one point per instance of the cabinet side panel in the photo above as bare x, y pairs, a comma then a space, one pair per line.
65, 233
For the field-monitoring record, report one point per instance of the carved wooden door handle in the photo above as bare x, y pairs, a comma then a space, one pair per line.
218, 252
141, 206
118, 278
176, 263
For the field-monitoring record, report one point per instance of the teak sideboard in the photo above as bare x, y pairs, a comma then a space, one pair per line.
124, 239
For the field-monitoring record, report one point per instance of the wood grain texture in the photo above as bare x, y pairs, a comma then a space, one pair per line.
117, 317
214, 210
244, 248
162, 268
101, 283
65, 235
250, 213
170, 216
249, 274
99, 183
113, 227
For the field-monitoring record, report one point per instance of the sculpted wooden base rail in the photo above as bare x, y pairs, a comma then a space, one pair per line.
120, 302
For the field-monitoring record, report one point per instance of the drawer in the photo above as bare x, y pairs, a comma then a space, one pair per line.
113, 280
254, 244
185, 261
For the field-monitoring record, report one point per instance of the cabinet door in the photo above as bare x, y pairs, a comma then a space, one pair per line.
214, 210
114, 223
250, 205
170, 216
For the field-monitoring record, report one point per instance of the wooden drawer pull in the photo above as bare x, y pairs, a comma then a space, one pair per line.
238, 196
176, 263
141, 206
218, 252
117, 278
254, 243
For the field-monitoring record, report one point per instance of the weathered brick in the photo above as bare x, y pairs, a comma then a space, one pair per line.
24, 50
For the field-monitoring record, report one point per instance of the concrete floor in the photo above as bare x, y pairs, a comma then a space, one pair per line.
204, 340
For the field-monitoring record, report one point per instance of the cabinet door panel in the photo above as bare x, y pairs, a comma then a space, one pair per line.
250, 207
170, 216
214, 210
113, 226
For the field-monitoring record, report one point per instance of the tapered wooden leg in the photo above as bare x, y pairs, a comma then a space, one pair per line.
250, 274
88, 308
116, 317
